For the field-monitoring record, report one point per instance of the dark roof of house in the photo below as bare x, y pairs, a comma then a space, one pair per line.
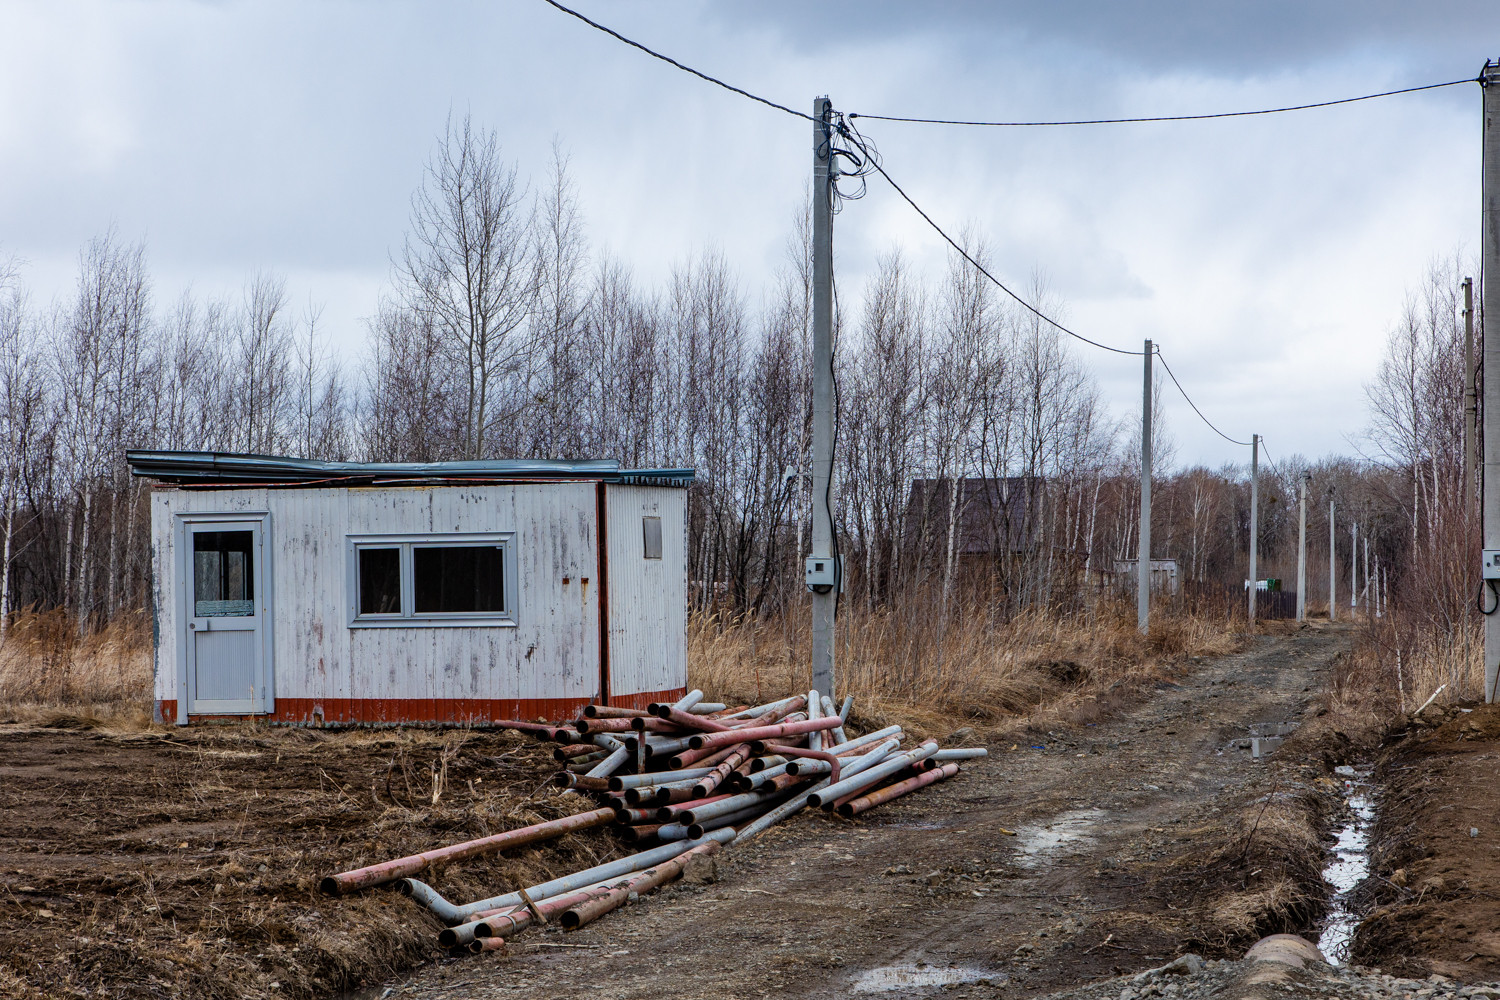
225, 469
989, 510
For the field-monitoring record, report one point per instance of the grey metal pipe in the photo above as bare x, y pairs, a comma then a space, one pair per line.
688, 700
759, 710
848, 704
606, 740
723, 807
837, 733
657, 746
620, 782
961, 753
870, 776
792, 805
869, 759
452, 914
610, 764
866, 739
815, 711
707, 708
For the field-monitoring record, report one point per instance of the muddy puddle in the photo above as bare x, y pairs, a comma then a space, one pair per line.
893, 978
1065, 833
1351, 863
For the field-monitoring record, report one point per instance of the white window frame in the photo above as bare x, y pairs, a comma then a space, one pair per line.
408, 618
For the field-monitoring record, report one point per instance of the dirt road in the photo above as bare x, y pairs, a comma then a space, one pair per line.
933, 892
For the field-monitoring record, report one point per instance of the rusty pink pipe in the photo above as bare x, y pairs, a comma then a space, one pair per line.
389, 871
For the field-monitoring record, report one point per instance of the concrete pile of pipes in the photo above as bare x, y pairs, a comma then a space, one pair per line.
689, 778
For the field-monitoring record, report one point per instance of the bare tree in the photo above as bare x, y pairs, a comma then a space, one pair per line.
469, 267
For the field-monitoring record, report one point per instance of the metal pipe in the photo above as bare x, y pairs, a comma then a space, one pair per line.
657, 746
697, 831
620, 782
563, 753
567, 779
610, 712
765, 761
515, 919
682, 720
821, 766
669, 813
584, 913
858, 805
639, 832
610, 764
868, 777
838, 731
587, 726
451, 914
482, 945
657, 794
867, 739
760, 733
761, 710
960, 753
708, 708
815, 711
709, 782
703, 810
706, 756
455, 937
832, 760
585, 764
388, 871
799, 800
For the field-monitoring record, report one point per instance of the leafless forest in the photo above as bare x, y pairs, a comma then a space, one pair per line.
503, 333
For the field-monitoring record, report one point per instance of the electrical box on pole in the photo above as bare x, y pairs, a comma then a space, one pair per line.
824, 582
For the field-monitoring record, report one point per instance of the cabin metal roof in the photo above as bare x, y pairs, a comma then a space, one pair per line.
228, 469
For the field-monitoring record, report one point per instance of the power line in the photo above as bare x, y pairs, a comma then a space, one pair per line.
875, 163
1168, 369
1164, 118
668, 59
1266, 451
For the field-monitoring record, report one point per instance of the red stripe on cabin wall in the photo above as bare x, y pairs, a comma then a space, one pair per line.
448, 711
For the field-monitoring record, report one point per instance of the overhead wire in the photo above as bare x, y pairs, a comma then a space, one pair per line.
1161, 118
1173, 376
668, 59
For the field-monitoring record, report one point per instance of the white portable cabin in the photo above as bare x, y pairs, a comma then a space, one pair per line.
453, 592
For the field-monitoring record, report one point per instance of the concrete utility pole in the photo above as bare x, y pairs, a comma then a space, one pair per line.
1254, 515
1333, 566
1471, 401
1302, 549
1489, 305
822, 569
1143, 564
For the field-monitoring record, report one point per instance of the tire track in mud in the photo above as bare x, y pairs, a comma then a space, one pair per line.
1021, 876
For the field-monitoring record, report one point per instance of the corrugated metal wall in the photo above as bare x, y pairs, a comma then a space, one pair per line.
647, 597
547, 665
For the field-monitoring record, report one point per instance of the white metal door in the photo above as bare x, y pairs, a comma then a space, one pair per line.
226, 603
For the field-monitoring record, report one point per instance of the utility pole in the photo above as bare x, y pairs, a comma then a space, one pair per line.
1489, 305
1471, 402
1353, 569
823, 576
1302, 549
1143, 564
1333, 566
1254, 515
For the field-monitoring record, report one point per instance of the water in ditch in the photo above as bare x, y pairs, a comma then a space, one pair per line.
1350, 865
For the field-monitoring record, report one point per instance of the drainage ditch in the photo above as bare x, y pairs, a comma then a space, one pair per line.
1351, 863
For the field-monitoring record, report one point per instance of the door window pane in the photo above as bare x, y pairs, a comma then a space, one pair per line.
223, 574
459, 579
380, 581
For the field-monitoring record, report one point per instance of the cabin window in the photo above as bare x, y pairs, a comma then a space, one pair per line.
651, 529
437, 579
223, 580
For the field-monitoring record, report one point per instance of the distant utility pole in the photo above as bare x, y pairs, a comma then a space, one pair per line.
1489, 305
1302, 549
1143, 564
1333, 566
1254, 515
822, 568
1471, 402
1353, 569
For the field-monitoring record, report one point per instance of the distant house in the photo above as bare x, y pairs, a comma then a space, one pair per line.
1164, 576
1000, 515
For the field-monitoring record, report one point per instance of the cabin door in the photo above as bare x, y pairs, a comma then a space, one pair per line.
226, 606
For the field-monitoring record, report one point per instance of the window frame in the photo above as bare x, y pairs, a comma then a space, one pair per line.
407, 617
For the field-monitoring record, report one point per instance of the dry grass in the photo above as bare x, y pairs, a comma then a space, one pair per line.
930, 676
46, 666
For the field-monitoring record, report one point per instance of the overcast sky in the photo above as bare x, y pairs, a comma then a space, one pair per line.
1269, 256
